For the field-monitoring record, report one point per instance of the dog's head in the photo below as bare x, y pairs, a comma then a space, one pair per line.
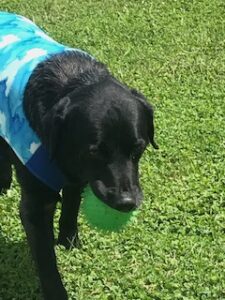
98, 135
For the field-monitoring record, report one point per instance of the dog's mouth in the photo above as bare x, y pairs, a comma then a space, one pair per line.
100, 192
123, 203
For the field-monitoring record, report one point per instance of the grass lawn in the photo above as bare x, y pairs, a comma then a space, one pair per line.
174, 52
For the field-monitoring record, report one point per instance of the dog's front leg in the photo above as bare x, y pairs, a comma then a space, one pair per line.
37, 211
68, 229
37, 219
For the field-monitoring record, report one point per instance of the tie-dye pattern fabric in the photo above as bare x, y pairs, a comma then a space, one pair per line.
22, 46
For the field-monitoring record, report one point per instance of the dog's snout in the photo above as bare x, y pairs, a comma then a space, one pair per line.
126, 203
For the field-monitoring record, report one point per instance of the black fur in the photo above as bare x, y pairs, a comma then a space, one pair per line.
96, 129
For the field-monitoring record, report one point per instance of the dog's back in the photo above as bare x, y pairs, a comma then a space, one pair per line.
23, 46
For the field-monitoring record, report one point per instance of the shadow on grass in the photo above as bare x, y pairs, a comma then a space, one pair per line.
17, 273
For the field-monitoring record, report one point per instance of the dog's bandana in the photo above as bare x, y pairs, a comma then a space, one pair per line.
22, 47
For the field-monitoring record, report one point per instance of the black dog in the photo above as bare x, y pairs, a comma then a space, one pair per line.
96, 129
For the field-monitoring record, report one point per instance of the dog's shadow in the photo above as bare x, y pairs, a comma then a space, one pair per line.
17, 273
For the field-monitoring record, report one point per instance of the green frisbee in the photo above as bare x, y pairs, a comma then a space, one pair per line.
102, 216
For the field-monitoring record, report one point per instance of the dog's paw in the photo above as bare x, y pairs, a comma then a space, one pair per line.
69, 241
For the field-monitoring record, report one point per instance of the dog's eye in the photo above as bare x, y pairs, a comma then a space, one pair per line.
93, 150
101, 153
136, 156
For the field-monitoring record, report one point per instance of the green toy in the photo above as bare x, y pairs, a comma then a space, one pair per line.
101, 216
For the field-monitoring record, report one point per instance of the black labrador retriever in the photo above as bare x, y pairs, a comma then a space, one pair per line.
96, 129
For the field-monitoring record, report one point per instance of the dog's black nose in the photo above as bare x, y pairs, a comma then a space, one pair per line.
126, 203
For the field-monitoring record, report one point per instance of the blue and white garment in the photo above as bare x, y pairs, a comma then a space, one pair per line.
22, 47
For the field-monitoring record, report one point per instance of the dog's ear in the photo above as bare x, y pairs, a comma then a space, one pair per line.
53, 122
150, 116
